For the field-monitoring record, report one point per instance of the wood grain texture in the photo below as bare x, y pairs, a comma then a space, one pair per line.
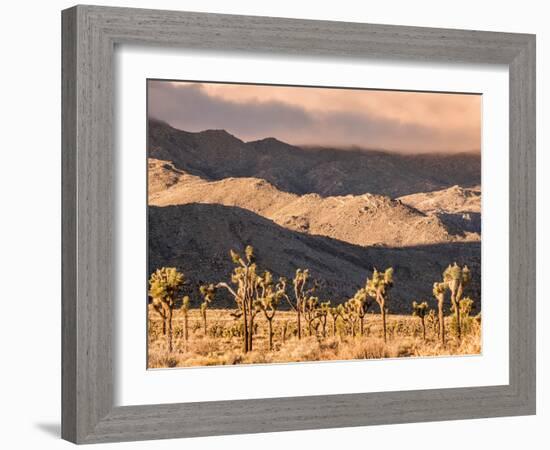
89, 202
68, 226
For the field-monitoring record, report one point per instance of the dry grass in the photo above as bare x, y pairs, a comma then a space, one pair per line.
221, 347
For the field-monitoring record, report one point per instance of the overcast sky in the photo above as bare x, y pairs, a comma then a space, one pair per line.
391, 120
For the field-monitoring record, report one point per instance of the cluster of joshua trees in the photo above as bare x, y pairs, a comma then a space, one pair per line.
259, 293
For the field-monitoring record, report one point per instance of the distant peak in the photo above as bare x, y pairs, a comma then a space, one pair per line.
155, 121
210, 132
218, 133
269, 141
215, 131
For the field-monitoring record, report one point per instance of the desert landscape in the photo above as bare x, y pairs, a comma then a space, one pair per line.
261, 251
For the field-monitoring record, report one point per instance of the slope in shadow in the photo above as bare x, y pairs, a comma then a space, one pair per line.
196, 238
461, 222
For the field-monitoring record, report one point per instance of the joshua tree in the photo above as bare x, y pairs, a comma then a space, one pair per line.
157, 303
301, 294
249, 290
310, 312
164, 285
253, 327
185, 310
322, 314
284, 329
349, 315
378, 288
456, 278
361, 303
439, 294
466, 306
433, 321
268, 301
420, 310
334, 314
207, 291
245, 280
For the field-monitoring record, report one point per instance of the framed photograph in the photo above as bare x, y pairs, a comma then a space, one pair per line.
268, 222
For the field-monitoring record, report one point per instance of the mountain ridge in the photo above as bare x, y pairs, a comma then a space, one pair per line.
366, 219
217, 154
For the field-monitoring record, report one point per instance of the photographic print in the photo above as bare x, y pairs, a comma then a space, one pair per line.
300, 223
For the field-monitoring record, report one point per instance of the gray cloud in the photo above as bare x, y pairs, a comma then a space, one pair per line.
189, 107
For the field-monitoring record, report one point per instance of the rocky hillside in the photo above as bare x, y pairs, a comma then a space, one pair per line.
216, 154
457, 207
455, 199
365, 219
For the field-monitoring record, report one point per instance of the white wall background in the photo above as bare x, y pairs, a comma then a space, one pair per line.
31, 239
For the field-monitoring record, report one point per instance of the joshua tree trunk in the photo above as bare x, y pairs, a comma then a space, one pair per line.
455, 303
250, 332
245, 331
458, 324
423, 328
441, 319
362, 325
162, 313
334, 320
384, 322
316, 329
186, 328
270, 327
204, 320
299, 324
169, 320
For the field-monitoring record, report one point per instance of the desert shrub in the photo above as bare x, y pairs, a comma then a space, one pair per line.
468, 324
216, 331
204, 346
405, 348
433, 322
178, 332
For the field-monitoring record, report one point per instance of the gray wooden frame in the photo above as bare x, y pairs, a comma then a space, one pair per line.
89, 37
